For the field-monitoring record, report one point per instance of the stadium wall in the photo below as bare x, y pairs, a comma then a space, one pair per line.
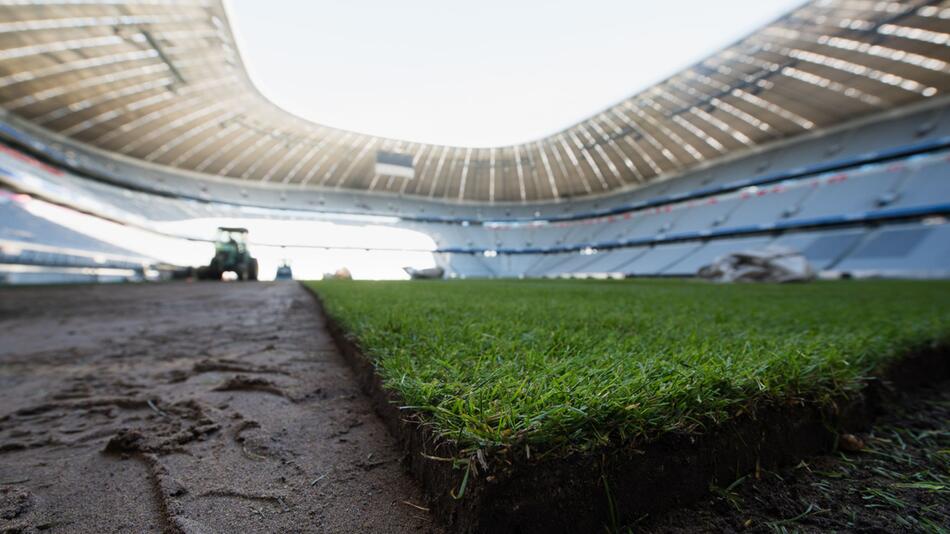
871, 187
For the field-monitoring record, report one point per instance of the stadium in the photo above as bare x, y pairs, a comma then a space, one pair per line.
719, 304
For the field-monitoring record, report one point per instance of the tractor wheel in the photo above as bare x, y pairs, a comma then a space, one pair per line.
213, 271
252, 270
207, 273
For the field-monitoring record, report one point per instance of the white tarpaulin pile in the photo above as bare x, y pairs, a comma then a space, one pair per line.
421, 274
771, 264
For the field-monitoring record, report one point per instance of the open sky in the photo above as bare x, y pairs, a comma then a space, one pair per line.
476, 73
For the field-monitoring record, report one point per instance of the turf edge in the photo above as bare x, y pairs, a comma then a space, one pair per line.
619, 485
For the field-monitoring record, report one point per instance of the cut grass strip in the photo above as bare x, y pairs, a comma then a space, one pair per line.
563, 366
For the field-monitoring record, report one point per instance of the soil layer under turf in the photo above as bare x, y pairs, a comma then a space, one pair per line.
897, 480
530, 404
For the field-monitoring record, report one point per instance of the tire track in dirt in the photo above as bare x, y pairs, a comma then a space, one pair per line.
188, 408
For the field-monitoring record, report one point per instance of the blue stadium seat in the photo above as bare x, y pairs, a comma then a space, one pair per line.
824, 248
902, 250
659, 258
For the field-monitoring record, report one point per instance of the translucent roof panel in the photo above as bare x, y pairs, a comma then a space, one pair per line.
161, 81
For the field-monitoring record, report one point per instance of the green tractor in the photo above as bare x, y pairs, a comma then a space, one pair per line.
230, 254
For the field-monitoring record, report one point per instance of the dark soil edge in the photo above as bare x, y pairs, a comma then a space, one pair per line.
618, 485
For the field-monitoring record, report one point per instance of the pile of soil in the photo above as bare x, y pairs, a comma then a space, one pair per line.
207, 407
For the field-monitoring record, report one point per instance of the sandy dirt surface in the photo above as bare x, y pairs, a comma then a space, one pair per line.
188, 408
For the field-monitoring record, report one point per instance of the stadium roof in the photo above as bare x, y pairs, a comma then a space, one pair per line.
162, 81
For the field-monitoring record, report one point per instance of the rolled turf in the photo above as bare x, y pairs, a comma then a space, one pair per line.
564, 365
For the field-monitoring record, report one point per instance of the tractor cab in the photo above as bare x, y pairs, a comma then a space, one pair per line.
231, 254
230, 243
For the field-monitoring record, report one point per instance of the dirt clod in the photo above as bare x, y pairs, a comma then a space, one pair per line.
126, 441
247, 383
850, 443
14, 502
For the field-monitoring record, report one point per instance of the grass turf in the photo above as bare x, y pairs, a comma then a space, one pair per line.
565, 365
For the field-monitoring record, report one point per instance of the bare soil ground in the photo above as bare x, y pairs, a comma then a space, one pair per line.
188, 408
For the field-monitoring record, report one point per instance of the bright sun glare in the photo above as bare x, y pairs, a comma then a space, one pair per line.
308, 246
